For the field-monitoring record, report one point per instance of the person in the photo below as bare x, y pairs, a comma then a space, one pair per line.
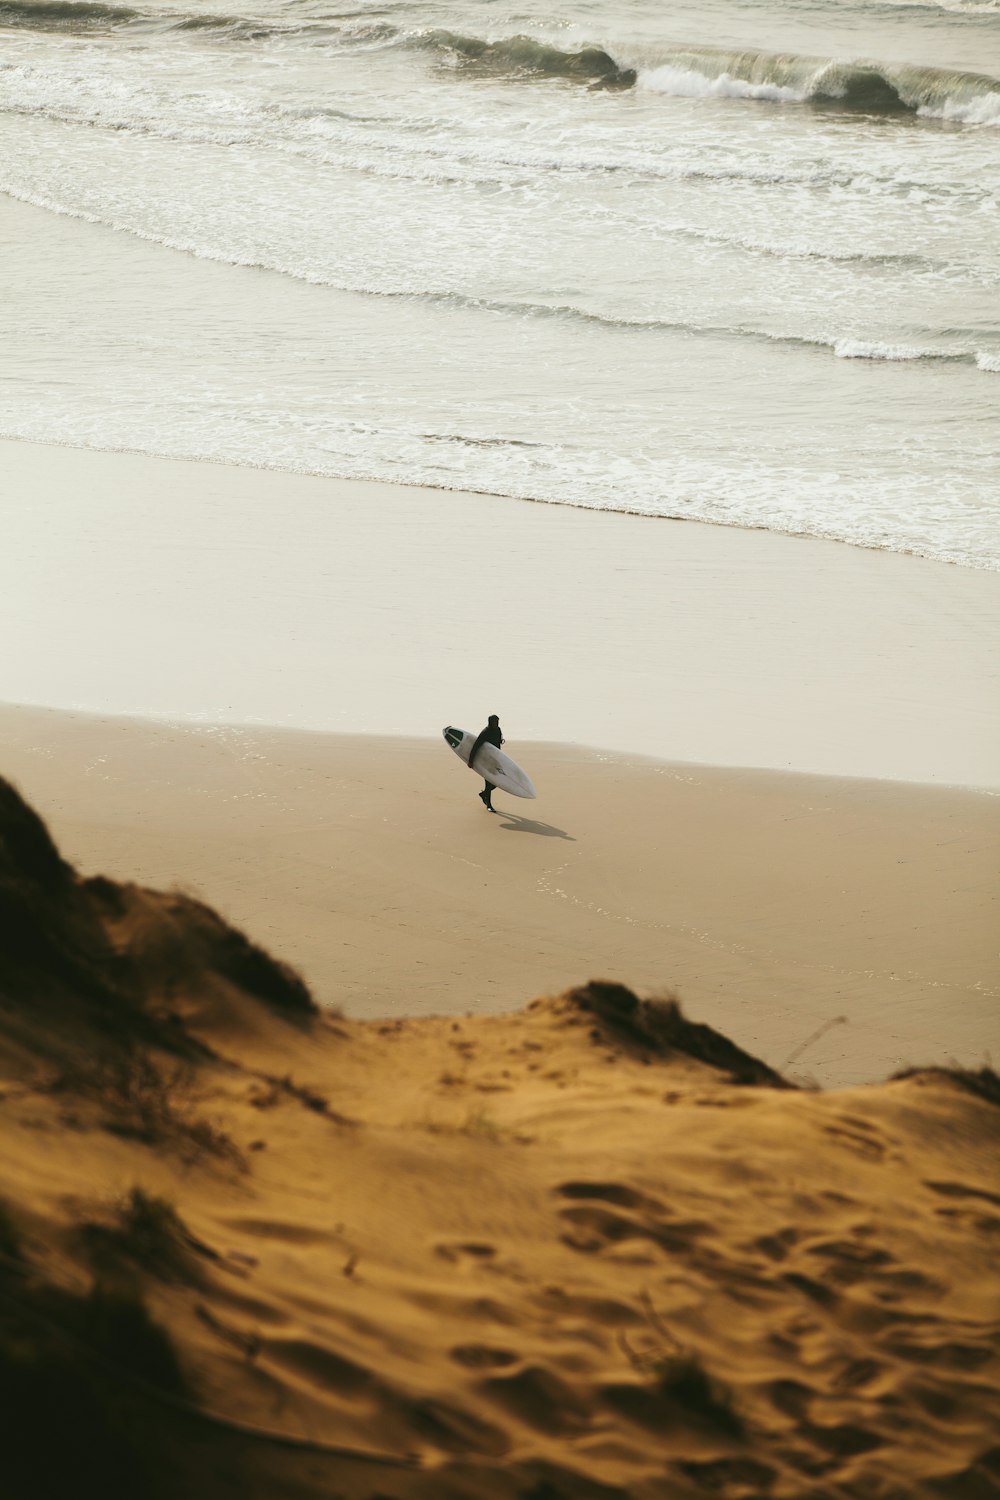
489, 736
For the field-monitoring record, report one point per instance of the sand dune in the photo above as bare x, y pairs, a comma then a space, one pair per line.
586, 1249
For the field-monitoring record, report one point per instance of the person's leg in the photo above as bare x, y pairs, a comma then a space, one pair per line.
486, 795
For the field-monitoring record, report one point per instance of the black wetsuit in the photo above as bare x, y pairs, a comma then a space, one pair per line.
489, 736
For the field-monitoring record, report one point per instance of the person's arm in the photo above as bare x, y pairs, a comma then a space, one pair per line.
480, 742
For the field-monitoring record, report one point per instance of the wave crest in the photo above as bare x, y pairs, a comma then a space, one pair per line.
861, 86
60, 15
864, 87
525, 55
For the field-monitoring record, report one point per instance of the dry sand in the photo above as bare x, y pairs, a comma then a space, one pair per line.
587, 1251
773, 904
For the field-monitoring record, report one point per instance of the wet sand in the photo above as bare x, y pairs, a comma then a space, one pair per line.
149, 586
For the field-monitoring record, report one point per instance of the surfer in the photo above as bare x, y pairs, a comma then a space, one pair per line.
489, 736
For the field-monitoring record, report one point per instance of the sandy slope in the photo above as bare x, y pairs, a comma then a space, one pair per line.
773, 904
583, 1250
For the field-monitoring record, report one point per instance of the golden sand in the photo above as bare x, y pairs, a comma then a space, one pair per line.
584, 1249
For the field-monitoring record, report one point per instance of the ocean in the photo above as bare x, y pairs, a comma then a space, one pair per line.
736, 262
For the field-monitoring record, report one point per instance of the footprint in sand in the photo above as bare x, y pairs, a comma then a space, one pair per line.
541, 1399
967, 1218
776, 1246
966, 1214
609, 1192
284, 1233
483, 1356
849, 1261
458, 1252
856, 1135
592, 1227
947, 1354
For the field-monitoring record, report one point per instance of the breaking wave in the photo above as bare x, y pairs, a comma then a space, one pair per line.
866, 88
59, 15
524, 55
701, 72
782, 78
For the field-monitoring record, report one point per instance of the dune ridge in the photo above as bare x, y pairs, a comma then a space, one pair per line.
587, 1249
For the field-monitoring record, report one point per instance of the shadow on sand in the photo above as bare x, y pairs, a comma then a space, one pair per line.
514, 823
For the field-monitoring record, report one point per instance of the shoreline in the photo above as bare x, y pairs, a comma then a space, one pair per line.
790, 912
977, 566
178, 589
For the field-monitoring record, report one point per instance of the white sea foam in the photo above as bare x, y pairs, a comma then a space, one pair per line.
952, 7
863, 349
685, 83
983, 109
990, 362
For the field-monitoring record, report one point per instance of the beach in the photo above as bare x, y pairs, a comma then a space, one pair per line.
776, 905
185, 591
629, 376
637, 1141
786, 751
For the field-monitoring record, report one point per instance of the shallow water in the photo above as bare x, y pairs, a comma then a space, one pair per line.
739, 263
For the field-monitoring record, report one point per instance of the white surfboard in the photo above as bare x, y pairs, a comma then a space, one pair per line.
491, 763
